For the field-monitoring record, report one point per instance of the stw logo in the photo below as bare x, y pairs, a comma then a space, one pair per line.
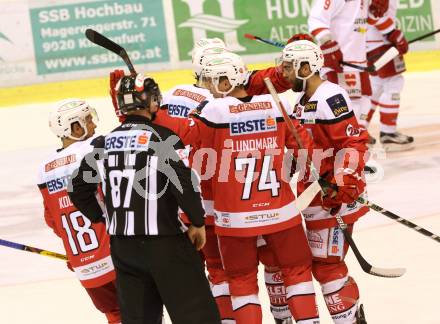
201, 22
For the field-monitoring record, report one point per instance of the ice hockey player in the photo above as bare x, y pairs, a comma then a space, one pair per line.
251, 199
387, 83
87, 245
340, 28
325, 109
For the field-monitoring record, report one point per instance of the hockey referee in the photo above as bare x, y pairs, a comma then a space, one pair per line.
145, 177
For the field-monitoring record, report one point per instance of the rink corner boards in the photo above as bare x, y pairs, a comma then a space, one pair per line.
49, 92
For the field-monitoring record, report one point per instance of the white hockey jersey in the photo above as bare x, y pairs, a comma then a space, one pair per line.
87, 244
378, 28
345, 22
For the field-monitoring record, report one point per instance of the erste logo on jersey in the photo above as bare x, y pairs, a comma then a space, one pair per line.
127, 140
57, 184
179, 111
268, 124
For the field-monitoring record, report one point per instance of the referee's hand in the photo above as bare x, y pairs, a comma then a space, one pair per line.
197, 235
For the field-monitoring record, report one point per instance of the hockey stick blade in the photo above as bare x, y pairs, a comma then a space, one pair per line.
367, 267
101, 40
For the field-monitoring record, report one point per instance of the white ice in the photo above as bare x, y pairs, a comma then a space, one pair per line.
38, 289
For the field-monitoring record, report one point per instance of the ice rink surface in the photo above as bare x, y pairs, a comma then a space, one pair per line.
38, 289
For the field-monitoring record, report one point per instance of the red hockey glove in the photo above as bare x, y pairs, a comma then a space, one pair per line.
332, 55
378, 7
397, 38
115, 76
298, 37
350, 186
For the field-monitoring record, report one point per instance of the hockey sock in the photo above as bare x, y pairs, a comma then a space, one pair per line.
341, 297
277, 294
247, 309
301, 299
223, 299
372, 111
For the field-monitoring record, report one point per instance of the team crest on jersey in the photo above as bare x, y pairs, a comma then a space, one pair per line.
268, 124
337, 104
311, 106
297, 111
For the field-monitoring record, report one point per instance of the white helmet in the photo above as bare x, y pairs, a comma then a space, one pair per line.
209, 42
65, 113
228, 65
301, 51
201, 55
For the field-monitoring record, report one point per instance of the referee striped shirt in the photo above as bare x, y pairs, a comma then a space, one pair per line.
145, 178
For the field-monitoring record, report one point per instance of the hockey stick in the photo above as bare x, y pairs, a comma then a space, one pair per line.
32, 249
399, 219
372, 58
101, 40
281, 45
365, 265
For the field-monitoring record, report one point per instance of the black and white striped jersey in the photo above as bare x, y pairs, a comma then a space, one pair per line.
143, 169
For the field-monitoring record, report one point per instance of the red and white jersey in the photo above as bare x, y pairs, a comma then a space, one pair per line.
329, 119
176, 105
246, 140
87, 245
345, 22
378, 28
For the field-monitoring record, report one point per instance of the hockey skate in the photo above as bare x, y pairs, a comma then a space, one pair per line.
284, 321
396, 142
360, 315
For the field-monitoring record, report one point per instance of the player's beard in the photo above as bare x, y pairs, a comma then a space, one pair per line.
298, 85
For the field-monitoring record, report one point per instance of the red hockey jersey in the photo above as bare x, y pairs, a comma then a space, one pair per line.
246, 140
329, 119
87, 245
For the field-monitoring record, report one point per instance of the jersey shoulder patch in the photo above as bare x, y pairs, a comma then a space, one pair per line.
337, 104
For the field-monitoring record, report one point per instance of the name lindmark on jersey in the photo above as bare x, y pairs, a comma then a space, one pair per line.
189, 94
268, 124
65, 160
311, 106
337, 104
249, 106
129, 140
255, 144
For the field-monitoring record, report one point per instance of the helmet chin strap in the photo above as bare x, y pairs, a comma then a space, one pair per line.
83, 136
224, 93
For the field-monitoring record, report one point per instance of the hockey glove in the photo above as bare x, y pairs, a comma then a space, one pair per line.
298, 37
399, 41
115, 76
378, 7
350, 186
332, 55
